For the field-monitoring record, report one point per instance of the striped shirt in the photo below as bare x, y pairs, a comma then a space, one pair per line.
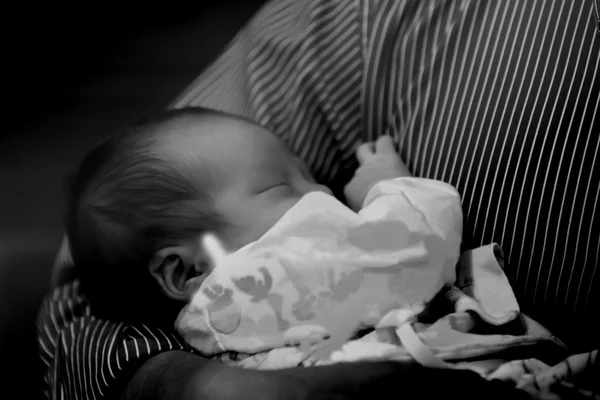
89, 358
498, 98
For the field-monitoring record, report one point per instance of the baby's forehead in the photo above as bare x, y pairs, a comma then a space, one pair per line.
217, 132
220, 142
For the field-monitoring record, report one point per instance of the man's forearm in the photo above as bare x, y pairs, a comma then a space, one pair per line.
339, 381
177, 375
353, 381
347, 381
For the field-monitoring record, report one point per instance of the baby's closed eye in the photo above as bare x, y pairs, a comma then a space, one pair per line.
274, 186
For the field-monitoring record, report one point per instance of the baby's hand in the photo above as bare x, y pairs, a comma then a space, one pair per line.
378, 161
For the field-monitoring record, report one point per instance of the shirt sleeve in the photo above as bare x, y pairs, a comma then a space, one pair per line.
89, 358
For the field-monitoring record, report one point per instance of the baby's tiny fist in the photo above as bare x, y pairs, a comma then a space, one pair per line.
379, 161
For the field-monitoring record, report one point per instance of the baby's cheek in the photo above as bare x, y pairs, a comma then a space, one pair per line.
276, 209
258, 220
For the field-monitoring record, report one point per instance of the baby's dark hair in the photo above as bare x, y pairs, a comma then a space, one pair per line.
125, 202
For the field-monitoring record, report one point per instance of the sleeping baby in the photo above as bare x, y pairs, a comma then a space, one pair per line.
309, 280
303, 279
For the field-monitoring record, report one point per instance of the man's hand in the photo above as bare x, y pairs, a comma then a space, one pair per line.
378, 161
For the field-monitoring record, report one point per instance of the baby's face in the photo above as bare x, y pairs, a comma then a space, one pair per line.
255, 179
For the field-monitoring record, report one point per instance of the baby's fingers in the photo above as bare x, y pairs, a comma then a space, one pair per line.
365, 151
385, 145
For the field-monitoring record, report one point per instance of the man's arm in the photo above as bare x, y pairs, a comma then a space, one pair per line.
177, 375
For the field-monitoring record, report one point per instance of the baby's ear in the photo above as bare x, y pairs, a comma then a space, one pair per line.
179, 270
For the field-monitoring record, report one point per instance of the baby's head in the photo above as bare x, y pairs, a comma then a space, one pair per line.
140, 203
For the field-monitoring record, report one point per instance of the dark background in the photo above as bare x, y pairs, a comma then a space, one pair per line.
73, 73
